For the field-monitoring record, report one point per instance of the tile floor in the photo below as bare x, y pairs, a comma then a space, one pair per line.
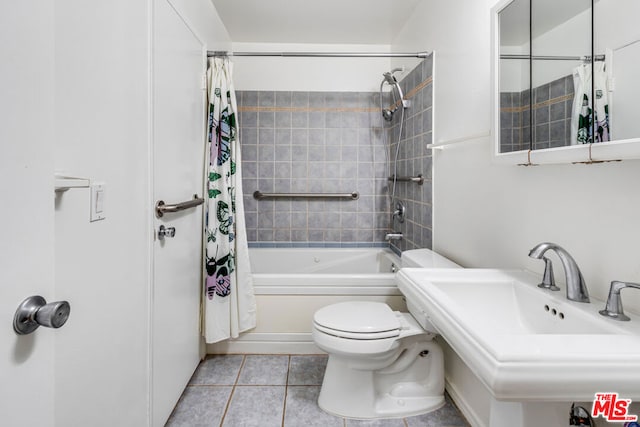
274, 390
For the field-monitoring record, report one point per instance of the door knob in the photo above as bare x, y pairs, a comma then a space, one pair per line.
34, 311
166, 232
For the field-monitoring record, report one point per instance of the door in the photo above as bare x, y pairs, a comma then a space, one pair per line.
27, 217
177, 176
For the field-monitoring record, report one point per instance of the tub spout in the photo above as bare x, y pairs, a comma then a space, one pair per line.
393, 236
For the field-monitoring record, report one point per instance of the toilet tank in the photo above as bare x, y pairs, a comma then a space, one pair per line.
425, 258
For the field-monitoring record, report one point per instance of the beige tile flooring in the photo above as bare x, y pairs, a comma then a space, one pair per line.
274, 390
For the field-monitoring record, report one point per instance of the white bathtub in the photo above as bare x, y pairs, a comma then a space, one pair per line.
292, 283
324, 271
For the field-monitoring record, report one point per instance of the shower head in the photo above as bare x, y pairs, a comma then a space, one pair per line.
397, 97
389, 76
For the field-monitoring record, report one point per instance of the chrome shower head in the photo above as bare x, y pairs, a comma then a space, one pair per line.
397, 97
389, 78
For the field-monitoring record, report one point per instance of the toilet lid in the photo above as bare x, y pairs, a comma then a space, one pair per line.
359, 317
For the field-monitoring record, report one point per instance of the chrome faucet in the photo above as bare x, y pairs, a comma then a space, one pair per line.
576, 287
613, 309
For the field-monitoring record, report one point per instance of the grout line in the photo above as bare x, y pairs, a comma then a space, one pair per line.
286, 390
226, 408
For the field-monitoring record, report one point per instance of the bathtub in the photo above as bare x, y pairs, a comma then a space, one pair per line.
290, 284
324, 271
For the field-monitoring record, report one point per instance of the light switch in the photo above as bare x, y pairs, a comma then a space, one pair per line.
97, 201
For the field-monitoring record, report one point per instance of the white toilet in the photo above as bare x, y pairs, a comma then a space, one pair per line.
382, 363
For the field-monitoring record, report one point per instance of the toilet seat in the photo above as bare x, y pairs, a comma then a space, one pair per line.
358, 320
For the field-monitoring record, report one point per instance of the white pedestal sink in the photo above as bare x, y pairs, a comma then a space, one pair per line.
524, 343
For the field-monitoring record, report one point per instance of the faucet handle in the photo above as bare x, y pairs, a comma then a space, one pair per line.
613, 309
548, 279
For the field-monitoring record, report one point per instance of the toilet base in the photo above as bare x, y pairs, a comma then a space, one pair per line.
412, 384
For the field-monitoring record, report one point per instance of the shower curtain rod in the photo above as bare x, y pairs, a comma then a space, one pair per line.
553, 58
322, 54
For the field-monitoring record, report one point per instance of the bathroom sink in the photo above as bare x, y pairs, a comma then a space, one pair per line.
523, 342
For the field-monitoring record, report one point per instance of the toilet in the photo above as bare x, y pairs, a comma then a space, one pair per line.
382, 363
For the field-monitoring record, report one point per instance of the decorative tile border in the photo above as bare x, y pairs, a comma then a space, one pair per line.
351, 245
546, 103
413, 92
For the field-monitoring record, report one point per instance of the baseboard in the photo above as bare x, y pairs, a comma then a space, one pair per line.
468, 412
267, 343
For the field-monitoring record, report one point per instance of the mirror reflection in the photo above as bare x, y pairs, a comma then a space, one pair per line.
554, 91
617, 36
515, 77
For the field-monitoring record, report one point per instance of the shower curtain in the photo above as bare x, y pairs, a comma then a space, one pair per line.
581, 118
229, 306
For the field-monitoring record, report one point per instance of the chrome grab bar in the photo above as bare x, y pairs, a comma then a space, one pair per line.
419, 179
353, 195
162, 208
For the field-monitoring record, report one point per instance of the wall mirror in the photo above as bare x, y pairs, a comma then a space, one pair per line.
564, 78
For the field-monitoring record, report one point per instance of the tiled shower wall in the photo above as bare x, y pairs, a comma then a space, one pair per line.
332, 142
315, 142
414, 158
552, 106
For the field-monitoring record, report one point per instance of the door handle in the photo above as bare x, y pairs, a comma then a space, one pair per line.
34, 312
162, 207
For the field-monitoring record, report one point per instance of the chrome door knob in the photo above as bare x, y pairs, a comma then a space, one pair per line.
34, 312
166, 232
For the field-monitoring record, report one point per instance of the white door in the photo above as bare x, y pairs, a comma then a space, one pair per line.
177, 176
27, 215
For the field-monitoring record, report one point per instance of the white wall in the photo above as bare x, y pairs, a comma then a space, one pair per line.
458, 31
203, 19
309, 74
489, 215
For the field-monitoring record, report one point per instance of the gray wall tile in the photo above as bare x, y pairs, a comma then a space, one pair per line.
326, 142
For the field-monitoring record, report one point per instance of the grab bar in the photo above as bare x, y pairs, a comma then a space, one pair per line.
417, 179
353, 196
162, 208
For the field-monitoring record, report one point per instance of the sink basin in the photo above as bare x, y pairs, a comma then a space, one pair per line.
523, 342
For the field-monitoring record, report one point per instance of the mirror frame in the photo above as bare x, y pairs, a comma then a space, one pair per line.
615, 150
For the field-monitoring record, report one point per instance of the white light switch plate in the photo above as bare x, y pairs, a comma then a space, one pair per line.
98, 190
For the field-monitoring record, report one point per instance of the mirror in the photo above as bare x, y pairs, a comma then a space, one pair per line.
515, 77
548, 75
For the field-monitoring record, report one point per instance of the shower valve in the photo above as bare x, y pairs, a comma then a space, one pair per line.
399, 212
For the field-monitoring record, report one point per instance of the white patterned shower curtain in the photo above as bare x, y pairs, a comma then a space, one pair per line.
589, 120
229, 306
